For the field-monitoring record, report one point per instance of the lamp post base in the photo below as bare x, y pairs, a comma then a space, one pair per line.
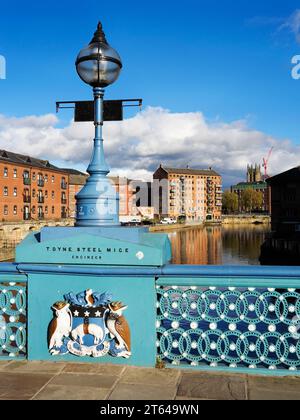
97, 203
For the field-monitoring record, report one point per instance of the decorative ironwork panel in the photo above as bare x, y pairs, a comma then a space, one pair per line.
248, 328
13, 316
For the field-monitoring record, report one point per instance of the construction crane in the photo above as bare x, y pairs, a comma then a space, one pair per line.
266, 163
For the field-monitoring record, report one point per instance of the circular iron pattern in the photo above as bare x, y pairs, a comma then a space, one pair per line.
12, 320
232, 327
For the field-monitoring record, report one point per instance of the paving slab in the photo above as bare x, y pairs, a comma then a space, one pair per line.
83, 393
191, 399
39, 367
138, 392
212, 386
163, 377
77, 379
20, 380
273, 388
14, 386
4, 364
96, 369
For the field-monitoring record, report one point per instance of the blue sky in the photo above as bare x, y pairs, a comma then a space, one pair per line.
230, 60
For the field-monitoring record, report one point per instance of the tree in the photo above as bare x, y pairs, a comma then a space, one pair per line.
258, 200
230, 202
251, 200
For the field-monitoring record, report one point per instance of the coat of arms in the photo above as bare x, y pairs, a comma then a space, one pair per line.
89, 324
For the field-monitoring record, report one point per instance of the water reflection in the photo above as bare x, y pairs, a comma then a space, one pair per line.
216, 245
219, 245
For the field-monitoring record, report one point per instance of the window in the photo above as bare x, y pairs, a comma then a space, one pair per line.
5, 191
33, 176
33, 193
53, 195
46, 194
46, 210
15, 192
52, 179
63, 183
5, 172
5, 210
26, 178
15, 210
15, 173
53, 210
26, 213
46, 178
33, 210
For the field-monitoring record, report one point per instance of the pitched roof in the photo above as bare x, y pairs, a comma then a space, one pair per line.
17, 158
290, 175
74, 172
187, 171
259, 184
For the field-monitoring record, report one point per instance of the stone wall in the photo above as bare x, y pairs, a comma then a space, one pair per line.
246, 219
13, 233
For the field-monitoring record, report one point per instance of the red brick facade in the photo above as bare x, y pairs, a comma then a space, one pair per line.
29, 191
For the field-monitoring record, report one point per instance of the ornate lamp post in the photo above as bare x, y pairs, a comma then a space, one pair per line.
99, 66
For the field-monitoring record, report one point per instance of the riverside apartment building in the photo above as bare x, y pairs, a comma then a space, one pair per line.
195, 194
31, 189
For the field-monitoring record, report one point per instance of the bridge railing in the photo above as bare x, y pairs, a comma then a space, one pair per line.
242, 319
13, 316
234, 319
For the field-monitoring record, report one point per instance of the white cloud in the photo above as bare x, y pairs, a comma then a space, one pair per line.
292, 24
138, 145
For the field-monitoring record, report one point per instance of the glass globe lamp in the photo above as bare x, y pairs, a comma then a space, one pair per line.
98, 64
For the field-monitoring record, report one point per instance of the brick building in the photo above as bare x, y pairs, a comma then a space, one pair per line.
282, 247
77, 180
126, 189
195, 194
31, 189
286, 202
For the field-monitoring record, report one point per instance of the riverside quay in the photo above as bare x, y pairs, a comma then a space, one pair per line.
133, 307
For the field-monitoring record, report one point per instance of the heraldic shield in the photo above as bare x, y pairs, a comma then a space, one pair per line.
89, 324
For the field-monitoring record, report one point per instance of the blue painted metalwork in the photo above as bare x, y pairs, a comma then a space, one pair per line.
137, 293
98, 201
235, 325
237, 276
242, 319
13, 316
113, 247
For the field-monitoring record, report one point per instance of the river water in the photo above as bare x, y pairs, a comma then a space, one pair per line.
215, 245
219, 245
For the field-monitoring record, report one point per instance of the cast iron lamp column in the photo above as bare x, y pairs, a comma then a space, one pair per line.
98, 65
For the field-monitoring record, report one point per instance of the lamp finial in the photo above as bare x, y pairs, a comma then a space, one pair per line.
99, 35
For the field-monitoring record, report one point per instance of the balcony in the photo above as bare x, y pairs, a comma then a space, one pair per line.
26, 199
41, 200
41, 183
64, 186
64, 201
26, 181
27, 216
